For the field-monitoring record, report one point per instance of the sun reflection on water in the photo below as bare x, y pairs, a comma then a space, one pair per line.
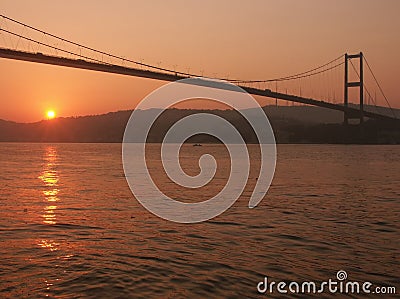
49, 244
50, 179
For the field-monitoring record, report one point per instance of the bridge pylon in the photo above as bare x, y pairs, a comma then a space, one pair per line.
358, 84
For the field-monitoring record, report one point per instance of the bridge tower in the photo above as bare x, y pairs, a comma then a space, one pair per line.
359, 84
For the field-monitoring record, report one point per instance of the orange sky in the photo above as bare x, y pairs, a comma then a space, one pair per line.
249, 40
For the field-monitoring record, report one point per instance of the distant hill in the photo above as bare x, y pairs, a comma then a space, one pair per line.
291, 124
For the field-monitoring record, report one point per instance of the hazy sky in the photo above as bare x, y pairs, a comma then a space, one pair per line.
241, 39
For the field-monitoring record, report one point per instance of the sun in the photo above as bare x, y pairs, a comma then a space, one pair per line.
50, 114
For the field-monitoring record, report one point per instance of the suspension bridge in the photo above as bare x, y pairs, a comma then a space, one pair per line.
328, 85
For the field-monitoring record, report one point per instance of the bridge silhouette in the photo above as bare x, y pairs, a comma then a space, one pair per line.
27, 43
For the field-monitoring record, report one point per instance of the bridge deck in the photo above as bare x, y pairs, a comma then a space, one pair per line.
116, 69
